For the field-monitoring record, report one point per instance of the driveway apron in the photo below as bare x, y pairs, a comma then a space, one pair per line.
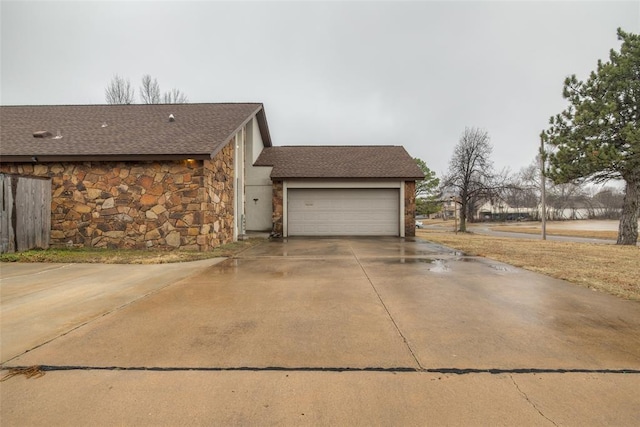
359, 303
331, 332
41, 301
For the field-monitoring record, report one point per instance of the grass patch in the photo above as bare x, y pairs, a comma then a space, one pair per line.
592, 234
612, 269
126, 256
561, 229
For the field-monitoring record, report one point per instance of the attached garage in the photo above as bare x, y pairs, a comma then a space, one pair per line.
342, 190
343, 212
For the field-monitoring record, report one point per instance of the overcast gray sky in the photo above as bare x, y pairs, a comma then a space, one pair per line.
400, 73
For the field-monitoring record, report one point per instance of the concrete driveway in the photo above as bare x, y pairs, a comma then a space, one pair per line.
40, 302
342, 331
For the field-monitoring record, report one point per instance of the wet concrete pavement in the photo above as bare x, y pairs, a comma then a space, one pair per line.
345, 331
41, 301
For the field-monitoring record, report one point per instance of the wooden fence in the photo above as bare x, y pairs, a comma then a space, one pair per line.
25, 213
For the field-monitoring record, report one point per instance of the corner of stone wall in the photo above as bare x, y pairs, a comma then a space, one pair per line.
409, 208
278, 207
218, 225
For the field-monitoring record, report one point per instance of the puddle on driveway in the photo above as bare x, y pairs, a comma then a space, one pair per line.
445, 264
417, 260
436, 265
502, 268
439, 266
403, 260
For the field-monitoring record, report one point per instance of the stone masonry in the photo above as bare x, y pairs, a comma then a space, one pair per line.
184, 204
409, 208
277, 216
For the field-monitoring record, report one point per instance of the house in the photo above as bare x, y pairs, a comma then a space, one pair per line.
575, 208
194, 176
500, 210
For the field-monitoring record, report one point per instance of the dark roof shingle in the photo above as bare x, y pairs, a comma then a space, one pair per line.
123, 130
366, 162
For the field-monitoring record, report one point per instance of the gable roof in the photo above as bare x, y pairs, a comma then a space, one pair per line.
128, 132
365, 162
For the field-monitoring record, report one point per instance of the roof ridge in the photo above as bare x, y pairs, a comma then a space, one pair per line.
338, 146
130, 105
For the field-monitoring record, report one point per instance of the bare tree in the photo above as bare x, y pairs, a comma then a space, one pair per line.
150, 90
119, 91
611, 200
566, 198
471, 176
521, 189
174, 96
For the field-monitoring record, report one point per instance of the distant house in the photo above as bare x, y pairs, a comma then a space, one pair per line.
499, 210
557, 210
576, 208
194, 176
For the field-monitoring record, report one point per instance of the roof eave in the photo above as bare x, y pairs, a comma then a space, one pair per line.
261, 116
262, 125
99, 158
350, 178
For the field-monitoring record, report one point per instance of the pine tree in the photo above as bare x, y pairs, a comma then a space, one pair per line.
597, 138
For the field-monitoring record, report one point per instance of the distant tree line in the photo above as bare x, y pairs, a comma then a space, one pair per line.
523, 188
472, 181
120, 91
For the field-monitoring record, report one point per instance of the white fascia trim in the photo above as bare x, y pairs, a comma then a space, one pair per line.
285, 208
401, 210
344, 184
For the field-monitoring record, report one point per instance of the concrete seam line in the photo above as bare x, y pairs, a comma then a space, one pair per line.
415, 358
533, 405
395, 369
49, 270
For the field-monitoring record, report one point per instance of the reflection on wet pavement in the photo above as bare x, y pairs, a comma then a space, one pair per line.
439, 266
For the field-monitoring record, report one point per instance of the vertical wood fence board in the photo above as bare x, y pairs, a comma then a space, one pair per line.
23, 216
32, 207
45, 213
7, 237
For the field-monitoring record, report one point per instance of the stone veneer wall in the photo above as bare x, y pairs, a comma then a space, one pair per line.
168, 205
409, 208
278, 207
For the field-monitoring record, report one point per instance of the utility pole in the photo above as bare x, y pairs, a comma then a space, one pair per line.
543, 191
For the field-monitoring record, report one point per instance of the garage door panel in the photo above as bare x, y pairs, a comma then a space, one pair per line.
340, 212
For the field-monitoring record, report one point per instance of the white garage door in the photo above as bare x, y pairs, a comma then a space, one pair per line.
343, 212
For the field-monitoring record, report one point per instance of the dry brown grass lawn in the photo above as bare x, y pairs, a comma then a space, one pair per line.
607, 268
594, 234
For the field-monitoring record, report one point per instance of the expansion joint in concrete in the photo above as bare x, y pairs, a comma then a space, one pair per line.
393, 321
20, 369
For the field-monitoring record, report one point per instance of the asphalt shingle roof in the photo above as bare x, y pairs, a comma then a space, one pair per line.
123, 130
365, 162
